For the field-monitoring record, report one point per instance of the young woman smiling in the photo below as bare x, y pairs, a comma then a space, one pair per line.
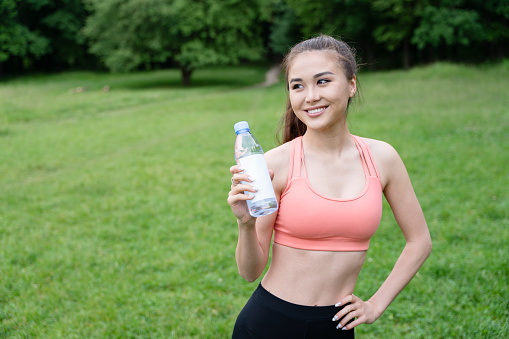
329, 185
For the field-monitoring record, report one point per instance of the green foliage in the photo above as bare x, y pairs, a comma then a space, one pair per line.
16, 39
134, 33
114, 221
344, 18
494, 19
284, 33
399, 19
125, 34
53, 35
451, 26
350, 20
33, 30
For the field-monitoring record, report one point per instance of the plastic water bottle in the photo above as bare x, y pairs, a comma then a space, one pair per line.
249, 155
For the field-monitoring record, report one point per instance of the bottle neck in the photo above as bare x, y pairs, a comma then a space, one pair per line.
243, 131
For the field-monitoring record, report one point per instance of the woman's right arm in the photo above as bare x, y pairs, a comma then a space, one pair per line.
253, 246
255, 234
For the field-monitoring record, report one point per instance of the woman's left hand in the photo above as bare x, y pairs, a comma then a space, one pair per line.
364, 311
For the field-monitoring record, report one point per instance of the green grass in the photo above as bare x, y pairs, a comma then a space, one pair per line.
113, 213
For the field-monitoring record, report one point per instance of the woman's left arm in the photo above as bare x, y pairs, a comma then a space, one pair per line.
407, 211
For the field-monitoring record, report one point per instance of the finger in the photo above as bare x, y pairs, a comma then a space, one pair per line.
236, 169
234, 200
351, 299
242, 188
344, 312
238, 178
246, 192
346, 300
344, 322
353, 324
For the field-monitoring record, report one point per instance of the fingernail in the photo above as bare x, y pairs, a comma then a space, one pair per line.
338, 304
335, 318
241, 168
255, 188
343, 329
250, 178
251, 195
338, 327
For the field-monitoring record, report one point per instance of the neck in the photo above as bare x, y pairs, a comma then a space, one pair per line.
329, 141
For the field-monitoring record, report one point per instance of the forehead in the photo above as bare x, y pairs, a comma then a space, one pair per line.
313, 62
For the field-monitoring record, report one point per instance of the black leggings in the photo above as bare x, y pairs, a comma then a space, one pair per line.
267, 316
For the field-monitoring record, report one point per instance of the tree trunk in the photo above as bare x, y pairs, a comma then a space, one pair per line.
431, 54
186, 75
501, 50
406, 54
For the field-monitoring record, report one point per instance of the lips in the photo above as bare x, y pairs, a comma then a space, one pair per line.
316, 111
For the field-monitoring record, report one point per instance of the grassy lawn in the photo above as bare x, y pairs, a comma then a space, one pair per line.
113, 213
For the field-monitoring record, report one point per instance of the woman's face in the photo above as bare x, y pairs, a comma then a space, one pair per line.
319, 90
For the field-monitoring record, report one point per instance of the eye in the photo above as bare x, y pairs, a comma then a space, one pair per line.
322, 81
297, 86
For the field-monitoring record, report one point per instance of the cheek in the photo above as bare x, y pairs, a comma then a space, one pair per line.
295, 101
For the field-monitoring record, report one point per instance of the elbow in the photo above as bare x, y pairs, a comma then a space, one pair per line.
421, 248
248, 276
430, 246
249, 279
427, 247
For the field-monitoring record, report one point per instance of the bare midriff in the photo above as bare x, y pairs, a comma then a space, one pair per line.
312, 278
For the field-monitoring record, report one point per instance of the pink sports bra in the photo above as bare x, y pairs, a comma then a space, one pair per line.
310, 221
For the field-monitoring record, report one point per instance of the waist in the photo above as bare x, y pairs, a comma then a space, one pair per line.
270, 300
312, 277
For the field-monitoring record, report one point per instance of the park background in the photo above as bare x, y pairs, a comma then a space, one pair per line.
116, 136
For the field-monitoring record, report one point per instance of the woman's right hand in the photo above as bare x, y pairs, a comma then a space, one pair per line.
237, 197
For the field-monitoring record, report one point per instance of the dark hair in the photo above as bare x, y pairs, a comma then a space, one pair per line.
291, 126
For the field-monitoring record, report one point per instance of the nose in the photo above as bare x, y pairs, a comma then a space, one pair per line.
312, 94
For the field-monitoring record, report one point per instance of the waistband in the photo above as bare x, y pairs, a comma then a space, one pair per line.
294, 310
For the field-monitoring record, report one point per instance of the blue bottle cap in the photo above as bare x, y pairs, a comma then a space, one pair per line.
241, 126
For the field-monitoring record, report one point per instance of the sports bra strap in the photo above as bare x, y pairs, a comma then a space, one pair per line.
296, 158
367, 157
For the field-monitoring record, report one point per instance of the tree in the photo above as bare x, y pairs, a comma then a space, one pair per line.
398, 21
17, 39
494, 19
129, 34
283, 32
447, 25
42, 34
350, 20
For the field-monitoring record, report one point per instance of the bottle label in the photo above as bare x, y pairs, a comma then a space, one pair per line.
256, 167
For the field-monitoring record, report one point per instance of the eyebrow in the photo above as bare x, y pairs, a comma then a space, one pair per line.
314, 76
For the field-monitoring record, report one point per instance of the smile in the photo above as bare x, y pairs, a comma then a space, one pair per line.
316, 111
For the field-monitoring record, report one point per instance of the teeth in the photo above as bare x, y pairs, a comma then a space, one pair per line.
313, 111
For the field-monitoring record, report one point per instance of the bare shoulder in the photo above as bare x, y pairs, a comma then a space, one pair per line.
279, 156
386, 158
278, 159
381, 150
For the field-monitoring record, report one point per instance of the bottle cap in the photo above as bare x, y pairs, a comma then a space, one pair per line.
241, 126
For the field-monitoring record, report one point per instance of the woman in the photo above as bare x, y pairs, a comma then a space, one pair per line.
329, 186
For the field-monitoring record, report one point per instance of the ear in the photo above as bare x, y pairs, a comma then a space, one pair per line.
353, 86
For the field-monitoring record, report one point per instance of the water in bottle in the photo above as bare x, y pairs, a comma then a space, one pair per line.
249, 155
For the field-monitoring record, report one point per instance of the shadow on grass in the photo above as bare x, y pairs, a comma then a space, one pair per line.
200, 79
242, 76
